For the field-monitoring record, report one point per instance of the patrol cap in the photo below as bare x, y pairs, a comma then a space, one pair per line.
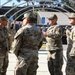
72, 15
26, 15
3, 17
52, 16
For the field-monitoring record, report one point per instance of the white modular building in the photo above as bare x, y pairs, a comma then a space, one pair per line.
62, 18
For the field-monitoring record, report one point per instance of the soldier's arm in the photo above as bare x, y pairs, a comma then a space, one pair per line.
17, 41
67, 32
40, 44
41, 37
57, 34
72, 52
8, 44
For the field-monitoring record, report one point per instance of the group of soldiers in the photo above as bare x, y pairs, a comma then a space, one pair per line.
70, 67
29, 39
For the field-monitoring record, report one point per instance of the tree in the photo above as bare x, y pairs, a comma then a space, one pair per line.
23, 0
71, 3
18, 0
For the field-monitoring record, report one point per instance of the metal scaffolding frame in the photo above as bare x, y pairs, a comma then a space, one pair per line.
34, 7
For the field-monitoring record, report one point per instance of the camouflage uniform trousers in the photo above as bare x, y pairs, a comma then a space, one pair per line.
55, 63
3, 65
70, 67
27, 64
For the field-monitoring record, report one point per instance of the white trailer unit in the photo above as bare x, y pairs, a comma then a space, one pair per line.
62, 18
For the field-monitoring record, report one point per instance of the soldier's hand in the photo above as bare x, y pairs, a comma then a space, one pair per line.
10, 51
69, 58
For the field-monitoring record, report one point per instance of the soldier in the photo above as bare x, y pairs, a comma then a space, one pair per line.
4, 45
54, 46
70, 68
11, 31
26, 45
68, 30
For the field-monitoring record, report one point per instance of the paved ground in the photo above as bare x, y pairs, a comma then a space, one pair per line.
42, 70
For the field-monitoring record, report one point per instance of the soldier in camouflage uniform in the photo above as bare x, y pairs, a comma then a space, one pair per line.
26, 45
54, 46
4, 45
70, 68
68, 30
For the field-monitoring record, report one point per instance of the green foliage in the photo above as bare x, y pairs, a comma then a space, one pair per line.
23, 0
18, 0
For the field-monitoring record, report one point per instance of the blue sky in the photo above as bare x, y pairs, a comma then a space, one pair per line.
10, 3
13, 2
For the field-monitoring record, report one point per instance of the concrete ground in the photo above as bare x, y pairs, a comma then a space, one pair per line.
42, 70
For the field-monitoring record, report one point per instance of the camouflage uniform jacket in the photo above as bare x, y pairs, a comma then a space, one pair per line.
71, 45
68, 34
4, 41
27, 37
54, 39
